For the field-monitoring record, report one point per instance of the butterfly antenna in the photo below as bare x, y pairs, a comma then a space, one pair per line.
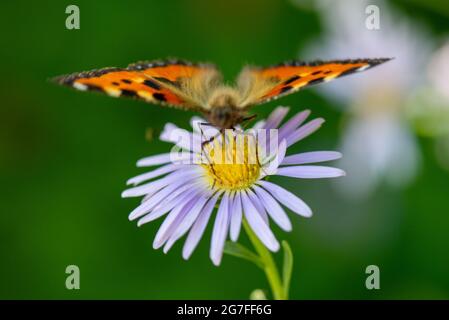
246, 120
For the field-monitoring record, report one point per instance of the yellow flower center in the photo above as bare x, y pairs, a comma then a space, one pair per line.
232, 165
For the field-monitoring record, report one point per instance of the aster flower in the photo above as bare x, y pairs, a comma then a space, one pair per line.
197, 177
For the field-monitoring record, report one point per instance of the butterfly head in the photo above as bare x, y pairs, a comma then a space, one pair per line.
224, 112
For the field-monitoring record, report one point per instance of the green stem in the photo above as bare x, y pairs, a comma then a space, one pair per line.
270, 268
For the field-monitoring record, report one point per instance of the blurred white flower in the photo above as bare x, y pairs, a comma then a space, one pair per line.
428, 107
378, 142
381, 148
433, 120
438, 70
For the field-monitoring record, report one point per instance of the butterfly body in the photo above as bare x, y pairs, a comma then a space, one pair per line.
199, 87
222, 109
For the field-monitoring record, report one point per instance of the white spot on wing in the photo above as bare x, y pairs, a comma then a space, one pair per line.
113, 92
331, 77
79, 86
145, 95
363, 68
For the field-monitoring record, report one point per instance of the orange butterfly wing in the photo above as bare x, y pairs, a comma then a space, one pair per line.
289, 77
154, 82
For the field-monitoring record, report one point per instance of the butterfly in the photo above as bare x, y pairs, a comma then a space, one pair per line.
199, 86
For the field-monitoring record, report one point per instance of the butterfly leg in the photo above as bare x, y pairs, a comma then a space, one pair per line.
202, 133
203, 151
205, 143
257, 155
205, 124
211, 139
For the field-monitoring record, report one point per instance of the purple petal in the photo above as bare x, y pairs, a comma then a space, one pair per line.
156, 199
187, 222
154, 173
198, 227
168, 204
173, 219
181, 137
220, 230
274, 209
154, 160
205, 131
152, 202
310, 172
148, 196
276, 117
162, 159
270, 168
259, 125
281, 151
150, 187
259, 206
311, 157
257, 224
292, 124
167, 131
304, 131
236, 217
195, 123
174, 177
287, 198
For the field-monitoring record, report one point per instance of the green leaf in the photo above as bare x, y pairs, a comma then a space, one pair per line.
287, 267
240, 251
257, 294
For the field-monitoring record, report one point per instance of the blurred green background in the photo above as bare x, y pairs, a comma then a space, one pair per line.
65, 157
